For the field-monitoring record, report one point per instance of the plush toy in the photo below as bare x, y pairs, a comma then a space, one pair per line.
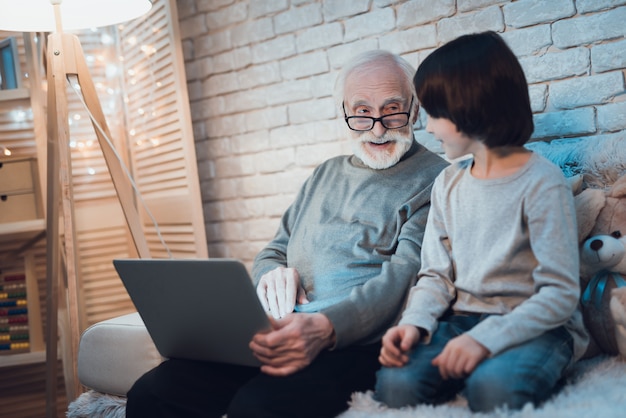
602, 231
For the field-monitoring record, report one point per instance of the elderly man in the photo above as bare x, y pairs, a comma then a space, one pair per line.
335, 276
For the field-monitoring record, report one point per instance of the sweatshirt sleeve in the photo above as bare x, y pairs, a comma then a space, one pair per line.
434, 292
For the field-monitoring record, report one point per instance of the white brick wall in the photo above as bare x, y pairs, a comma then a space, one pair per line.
260, 75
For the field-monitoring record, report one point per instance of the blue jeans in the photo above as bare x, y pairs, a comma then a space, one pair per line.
529, 372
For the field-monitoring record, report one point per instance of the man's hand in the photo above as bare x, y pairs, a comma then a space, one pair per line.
293, 344
397, 341
279, 290
460, 357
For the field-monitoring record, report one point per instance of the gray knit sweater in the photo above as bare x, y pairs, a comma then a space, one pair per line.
354, 234
504, 246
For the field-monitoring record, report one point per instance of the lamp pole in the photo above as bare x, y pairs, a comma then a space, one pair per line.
65, 57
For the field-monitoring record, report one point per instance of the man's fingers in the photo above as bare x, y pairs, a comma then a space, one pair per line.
261, 292
271, 299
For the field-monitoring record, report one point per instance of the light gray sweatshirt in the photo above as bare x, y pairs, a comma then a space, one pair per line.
504, 246
354, 234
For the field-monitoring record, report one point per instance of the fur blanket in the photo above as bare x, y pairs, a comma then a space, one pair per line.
596, 388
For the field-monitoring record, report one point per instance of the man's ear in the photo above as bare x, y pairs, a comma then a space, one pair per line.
416, 112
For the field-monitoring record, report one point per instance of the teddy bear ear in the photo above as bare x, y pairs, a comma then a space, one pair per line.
618, 189
588, 204
576, 183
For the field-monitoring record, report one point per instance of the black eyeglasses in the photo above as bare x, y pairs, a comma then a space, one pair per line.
366, 123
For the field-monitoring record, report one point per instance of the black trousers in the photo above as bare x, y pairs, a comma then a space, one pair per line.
186, 389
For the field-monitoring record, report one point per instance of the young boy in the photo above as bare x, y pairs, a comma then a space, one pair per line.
495, 309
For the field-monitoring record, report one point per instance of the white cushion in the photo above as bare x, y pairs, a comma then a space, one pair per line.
114, 353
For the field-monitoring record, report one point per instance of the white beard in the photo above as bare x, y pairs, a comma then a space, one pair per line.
382, 159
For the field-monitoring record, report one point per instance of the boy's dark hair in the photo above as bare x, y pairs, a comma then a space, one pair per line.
477, 82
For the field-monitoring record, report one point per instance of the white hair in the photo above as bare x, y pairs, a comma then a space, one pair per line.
366, 59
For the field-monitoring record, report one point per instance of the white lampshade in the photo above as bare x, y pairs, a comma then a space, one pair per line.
38, 15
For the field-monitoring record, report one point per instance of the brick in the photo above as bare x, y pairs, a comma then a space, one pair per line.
469, 5
273, 161
206, 169
322, 85
277, 48
385, 3
259, 75
556, 65
219, 84
188, 50
608, 56
291, 182
258, 229
212, 44
227, 16
298, 18
252, 31
312, 111
217, 147
258, 8
236, 166
311, 155
564, 123
373, 23
584, 91
308, 133
524, 13
337, 9
590, 28
275, 206
220, 63
287, 92
185, 8
194, 90
339, 54
242, 57
211, 5
484, 19
529, 40
213, 211
193, 26
319, 37
266, 118
410, 39
251, 142
538, 94
245, 100
226, 125
418, 12
258, 185
253, 207
611, 117
586, 6
232, 230
304, 65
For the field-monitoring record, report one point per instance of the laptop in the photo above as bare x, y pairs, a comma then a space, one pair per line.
197, 309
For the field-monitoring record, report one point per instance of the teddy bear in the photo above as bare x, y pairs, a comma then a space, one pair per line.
601, 216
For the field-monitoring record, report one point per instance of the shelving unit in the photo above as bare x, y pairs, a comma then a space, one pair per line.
21, 226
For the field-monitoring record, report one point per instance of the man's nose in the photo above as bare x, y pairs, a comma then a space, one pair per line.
378, 129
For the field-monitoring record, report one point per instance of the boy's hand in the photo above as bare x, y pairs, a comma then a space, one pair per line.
460, 357
397, 341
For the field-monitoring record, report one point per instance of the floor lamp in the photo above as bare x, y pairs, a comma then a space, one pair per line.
65, 58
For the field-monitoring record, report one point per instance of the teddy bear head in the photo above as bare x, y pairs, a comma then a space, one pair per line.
601, 219
602, 229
